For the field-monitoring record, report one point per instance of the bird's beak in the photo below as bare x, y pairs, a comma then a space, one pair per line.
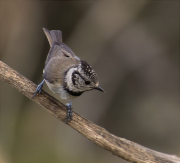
99, 88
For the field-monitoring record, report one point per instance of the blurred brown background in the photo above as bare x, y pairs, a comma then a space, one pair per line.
134, 48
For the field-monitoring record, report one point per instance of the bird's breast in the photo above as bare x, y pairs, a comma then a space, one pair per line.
58, 89
61, 91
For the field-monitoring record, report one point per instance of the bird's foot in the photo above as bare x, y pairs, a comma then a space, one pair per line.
38, 89
69, 112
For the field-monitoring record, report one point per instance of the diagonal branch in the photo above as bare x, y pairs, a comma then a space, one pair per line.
121, 147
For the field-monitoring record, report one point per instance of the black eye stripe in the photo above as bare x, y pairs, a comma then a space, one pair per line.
74, 78
87, 82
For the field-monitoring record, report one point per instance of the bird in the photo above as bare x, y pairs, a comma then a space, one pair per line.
66, 74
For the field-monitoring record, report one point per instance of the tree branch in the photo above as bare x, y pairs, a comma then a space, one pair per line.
121, 147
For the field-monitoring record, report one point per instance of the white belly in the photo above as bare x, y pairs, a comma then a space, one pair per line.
58, 89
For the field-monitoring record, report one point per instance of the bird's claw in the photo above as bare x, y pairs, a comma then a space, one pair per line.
38, 89
69, 112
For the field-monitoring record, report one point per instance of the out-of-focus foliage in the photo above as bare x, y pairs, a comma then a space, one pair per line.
132, 45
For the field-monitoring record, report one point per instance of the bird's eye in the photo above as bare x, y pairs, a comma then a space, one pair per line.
87, 82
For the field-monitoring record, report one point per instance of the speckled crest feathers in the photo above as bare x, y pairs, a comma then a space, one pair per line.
88, 70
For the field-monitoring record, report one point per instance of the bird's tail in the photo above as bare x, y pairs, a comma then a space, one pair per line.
53, 36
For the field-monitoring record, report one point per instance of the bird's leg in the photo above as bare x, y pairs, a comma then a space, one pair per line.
39, 88
69, 112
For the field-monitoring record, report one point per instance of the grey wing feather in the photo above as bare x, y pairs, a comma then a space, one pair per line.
57, 47
52, 52
53, 36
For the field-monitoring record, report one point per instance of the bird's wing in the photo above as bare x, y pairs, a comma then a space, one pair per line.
53, 52
57, 47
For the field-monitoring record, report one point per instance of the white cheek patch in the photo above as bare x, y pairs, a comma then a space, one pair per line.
69, 76
68, 79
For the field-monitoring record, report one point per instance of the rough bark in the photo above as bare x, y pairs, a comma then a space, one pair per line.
120, 147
